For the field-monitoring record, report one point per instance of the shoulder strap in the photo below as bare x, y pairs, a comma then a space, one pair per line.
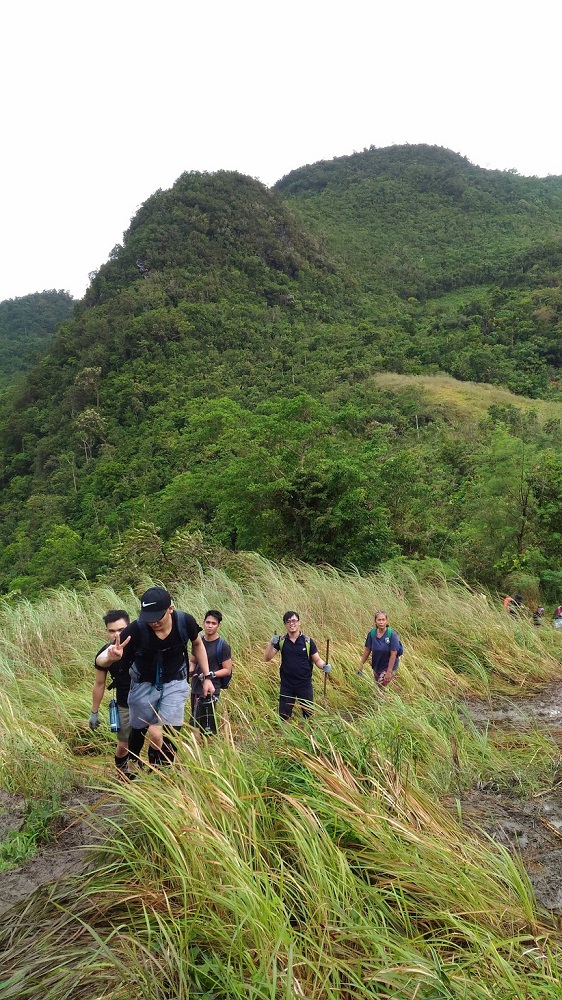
220, 647
306, 642
144, 635
388, 632
372, 633
181, 620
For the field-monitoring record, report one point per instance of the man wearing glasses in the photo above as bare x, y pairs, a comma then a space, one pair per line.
298, 653
154, 651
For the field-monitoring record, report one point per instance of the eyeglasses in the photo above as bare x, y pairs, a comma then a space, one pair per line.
291, 621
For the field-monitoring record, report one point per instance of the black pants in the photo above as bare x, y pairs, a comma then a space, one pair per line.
295, 689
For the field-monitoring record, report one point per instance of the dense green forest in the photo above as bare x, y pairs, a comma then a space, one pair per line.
26, 328
218, 388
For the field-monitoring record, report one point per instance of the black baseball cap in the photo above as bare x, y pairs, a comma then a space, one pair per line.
154, 603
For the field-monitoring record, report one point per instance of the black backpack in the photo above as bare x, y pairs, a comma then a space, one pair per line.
144, 644
181, 621
223, 681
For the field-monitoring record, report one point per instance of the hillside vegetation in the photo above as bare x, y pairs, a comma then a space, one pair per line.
218, 389
26, 328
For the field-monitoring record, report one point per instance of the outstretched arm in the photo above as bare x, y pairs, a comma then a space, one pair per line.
200, 654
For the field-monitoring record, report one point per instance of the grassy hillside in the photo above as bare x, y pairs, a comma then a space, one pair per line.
313, 859
468, 400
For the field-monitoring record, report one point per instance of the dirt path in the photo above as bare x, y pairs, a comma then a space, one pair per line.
66, 854
531, 827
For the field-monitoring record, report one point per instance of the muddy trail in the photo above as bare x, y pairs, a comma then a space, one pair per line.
530, 827
77, 830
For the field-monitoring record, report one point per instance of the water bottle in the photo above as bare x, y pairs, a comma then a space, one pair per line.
114, 721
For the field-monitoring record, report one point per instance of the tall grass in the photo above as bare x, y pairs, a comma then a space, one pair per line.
310, 859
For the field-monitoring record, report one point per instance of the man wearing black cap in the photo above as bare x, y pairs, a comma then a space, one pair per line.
153, 650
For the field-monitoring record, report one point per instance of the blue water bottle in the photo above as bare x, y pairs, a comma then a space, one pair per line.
114, 721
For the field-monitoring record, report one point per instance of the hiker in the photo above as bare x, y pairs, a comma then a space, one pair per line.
384, 647
538, 615
513, 605
298, 653
115, 622
557, 620
154, 650
219, 657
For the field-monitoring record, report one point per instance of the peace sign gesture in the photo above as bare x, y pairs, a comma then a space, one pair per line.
115, 651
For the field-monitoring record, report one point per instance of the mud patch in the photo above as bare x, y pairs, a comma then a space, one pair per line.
68, 853
531, 828
543, 709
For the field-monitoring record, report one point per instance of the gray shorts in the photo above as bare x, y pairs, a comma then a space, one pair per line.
122, 733
150, 707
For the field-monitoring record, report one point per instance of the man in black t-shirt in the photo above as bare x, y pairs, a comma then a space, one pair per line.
219, 655
115, 621
298, 653
153, 650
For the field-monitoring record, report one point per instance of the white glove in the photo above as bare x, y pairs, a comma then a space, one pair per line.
94, 721
274, 640
327, 668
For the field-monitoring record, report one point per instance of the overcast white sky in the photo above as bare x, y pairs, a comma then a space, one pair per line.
103, 103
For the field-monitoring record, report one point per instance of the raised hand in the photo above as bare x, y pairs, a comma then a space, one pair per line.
115, 651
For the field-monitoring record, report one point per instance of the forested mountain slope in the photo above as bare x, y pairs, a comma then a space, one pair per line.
26, 327
218, 386
473, 255
423, 220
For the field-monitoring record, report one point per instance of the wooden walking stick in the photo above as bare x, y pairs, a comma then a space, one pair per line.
326, 661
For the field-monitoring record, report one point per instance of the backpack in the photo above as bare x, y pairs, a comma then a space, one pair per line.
145, 633
182, 629
306, 642
144, 645
223, 681
400, 650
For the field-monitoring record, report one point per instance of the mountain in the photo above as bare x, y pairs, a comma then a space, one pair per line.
26, 328
423, 220
473, 255
218, 386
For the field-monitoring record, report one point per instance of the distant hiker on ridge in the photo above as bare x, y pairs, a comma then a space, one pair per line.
513, 605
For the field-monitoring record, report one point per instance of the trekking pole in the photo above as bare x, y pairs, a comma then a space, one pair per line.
326, 675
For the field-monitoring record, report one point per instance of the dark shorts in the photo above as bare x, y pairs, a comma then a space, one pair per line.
295, 690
